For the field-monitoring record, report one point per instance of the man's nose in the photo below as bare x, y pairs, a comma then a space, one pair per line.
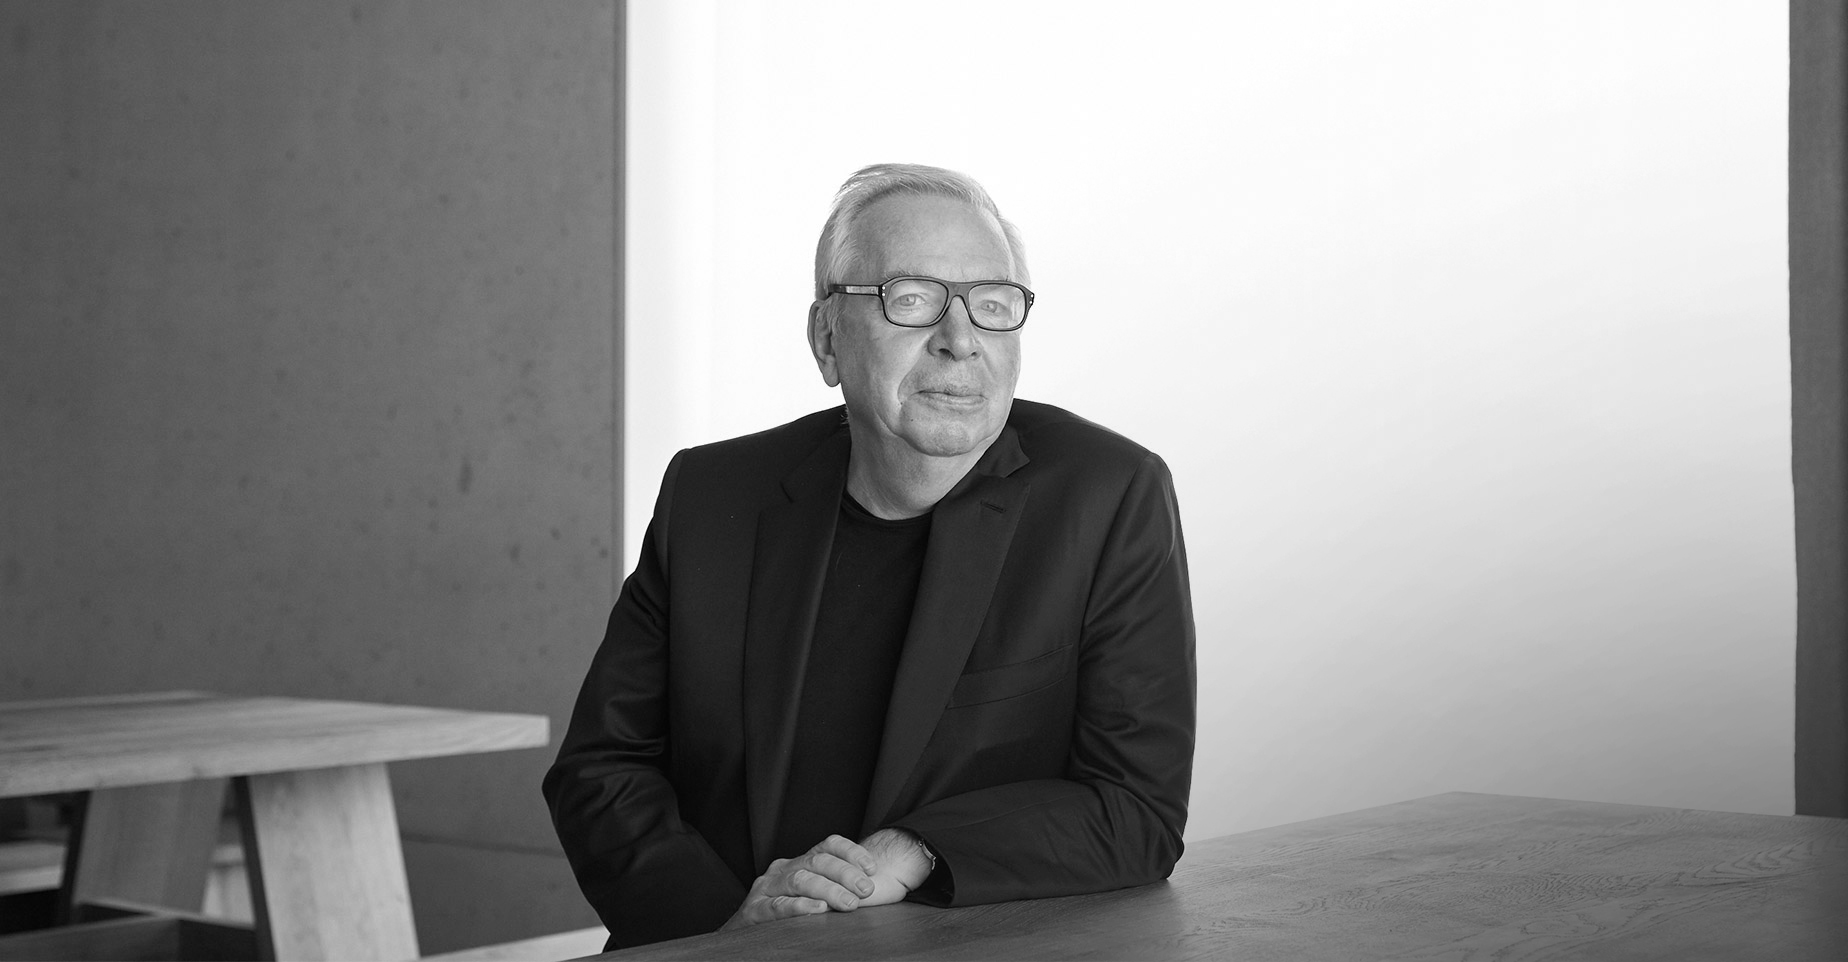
954, 335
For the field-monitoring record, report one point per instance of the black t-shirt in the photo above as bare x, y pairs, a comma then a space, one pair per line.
866, 602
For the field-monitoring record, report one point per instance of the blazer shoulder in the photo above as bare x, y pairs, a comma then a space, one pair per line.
1052, 436
769, 454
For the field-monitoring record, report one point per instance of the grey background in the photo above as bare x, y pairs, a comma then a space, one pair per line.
307, 380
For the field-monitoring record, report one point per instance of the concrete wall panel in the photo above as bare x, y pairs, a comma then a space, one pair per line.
306, 355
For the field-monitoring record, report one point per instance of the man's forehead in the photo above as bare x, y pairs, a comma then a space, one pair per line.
906, 210
921, 234
950, 265
1000, 272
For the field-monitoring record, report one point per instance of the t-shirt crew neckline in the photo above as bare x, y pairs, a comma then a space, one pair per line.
859, 513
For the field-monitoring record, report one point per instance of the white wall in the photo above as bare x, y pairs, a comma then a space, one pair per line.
1462, 326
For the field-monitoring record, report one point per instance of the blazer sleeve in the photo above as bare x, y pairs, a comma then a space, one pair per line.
649, 874
1116, 817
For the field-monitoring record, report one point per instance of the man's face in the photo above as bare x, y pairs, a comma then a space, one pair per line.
943, 390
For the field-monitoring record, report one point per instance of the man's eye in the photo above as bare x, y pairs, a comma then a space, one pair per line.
908, 301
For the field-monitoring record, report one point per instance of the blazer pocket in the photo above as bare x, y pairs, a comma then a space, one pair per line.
1010, 681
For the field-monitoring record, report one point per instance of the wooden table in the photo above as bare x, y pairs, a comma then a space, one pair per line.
314, 805
1456, 877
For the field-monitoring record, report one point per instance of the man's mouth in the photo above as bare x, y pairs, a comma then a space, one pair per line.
950, 395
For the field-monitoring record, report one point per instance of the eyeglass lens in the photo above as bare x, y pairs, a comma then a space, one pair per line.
919, 302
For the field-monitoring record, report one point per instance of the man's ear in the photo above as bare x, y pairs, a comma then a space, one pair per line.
821, 343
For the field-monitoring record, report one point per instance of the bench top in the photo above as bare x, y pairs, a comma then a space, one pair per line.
77, 744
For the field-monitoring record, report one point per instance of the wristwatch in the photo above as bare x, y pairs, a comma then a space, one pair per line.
927, 853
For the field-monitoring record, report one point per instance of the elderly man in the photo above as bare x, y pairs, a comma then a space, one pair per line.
952, 625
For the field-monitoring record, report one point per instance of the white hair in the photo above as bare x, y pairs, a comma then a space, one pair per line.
835, 253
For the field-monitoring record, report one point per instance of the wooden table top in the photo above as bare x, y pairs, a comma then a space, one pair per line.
1455, 877
77, 744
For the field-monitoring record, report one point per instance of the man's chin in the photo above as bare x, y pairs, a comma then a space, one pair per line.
950, 440
937, 432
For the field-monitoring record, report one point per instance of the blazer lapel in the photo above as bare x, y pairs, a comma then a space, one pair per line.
970, 532
790, 559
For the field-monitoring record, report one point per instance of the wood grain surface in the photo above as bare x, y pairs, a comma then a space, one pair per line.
1459, 877
327, 878
109, 742
150, 844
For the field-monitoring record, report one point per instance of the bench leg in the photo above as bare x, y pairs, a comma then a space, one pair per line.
326, 870
150, 844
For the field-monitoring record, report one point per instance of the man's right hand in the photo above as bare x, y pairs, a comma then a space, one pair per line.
832, 875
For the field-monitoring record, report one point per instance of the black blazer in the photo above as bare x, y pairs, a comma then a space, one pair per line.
1040, 732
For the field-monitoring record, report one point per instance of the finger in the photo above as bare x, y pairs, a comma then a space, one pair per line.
795, 905
842, 872
803, 882
786, 906
845, 848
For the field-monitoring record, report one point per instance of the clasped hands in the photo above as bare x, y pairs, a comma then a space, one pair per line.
838, 875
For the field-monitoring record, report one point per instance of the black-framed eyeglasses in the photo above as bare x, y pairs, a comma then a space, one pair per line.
922, 301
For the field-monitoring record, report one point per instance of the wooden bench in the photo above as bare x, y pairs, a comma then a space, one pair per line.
37, 865
34, 866
30, 866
